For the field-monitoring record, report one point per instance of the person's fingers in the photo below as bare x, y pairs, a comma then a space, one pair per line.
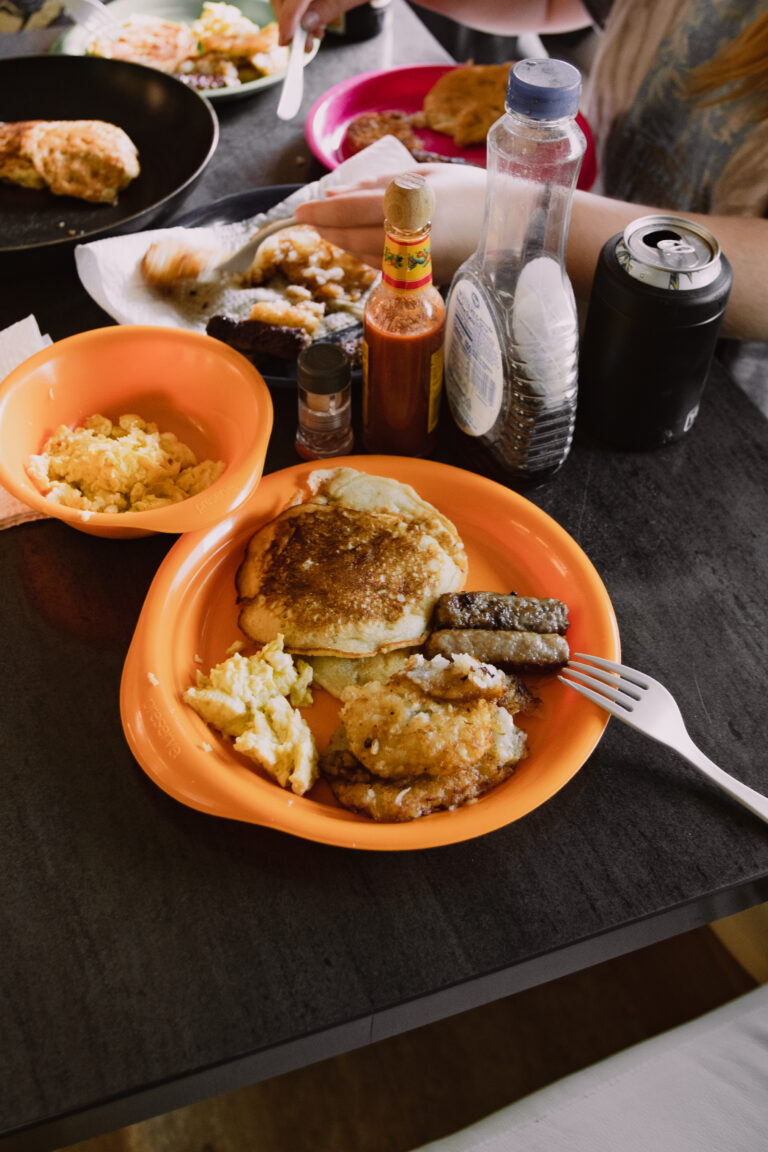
366, 244
287, 14
344, 210
352, 217
314, 15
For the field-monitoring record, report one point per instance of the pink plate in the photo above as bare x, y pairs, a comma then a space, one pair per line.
403, 90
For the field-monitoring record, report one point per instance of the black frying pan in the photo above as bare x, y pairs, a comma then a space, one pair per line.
174, 128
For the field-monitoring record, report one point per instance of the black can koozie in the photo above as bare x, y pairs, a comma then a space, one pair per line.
657, 303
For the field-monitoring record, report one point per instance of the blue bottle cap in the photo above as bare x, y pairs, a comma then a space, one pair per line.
543, 89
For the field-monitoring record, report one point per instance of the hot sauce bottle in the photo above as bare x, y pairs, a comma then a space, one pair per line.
403, 329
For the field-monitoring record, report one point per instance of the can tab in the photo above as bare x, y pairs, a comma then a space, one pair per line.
669, 252
677, 253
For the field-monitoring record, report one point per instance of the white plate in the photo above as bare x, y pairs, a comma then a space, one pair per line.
74, 42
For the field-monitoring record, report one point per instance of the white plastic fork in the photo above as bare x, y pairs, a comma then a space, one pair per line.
94, 16
646, 705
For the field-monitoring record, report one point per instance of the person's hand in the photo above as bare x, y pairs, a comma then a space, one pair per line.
352, 217
313, 15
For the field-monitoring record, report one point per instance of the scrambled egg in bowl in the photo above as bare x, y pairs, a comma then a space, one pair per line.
126, 467
253, 699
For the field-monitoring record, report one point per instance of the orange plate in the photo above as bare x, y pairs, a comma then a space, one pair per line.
190, 611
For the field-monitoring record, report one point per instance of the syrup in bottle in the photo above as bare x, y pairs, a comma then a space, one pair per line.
511, 343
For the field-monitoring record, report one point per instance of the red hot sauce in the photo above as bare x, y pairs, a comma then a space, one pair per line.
403, 330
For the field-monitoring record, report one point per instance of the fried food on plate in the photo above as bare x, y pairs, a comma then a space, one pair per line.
89, 159
396, 728
300, 255
259, 338
466, 101
369, 127
150, 40
434, 736
169, 262
497, 610
352, 570
299, 288
222, 49
396, 801
523, 651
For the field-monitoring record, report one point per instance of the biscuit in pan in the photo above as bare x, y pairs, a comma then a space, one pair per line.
91, 160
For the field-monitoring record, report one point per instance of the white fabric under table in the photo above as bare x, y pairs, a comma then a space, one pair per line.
701, 1087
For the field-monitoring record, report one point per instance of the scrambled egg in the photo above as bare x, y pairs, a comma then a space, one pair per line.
219, 19
253, 699
125, 467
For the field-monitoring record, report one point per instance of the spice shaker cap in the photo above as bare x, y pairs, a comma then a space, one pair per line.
323, 368
543, 89
409, 202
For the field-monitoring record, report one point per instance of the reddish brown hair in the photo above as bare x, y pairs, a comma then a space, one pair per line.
741, 68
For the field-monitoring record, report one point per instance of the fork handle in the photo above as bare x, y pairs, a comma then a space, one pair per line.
755, 801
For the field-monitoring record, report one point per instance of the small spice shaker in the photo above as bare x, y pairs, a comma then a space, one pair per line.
325, 402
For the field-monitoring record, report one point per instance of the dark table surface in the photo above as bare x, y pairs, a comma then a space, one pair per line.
153, 955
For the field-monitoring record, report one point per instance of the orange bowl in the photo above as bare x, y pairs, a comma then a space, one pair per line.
207, 394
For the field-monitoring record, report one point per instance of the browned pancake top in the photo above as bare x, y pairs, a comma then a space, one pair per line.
365, 566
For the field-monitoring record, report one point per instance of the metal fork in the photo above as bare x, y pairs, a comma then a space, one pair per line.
646, 705
94, 16
241, 260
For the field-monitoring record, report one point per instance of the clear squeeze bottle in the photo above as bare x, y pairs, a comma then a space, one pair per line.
403, 329
511, 342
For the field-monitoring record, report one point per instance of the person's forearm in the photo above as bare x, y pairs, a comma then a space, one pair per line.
353, 219
512, 17
502, 17
743, 239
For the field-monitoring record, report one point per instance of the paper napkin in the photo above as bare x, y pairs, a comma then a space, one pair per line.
18, 343
110, 269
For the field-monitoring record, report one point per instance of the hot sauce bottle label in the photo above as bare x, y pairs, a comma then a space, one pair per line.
407, 264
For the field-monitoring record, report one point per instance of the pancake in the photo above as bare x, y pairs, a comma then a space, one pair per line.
353, 570
335, 673
466, 101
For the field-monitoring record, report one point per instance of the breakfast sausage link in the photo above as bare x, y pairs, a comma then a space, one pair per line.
520, 651
494, 610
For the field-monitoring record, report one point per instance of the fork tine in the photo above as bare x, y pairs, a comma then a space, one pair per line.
638, 678
611, 689
610, 679
605, 702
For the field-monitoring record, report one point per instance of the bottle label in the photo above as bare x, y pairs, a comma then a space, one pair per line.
474, 364
407, 264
